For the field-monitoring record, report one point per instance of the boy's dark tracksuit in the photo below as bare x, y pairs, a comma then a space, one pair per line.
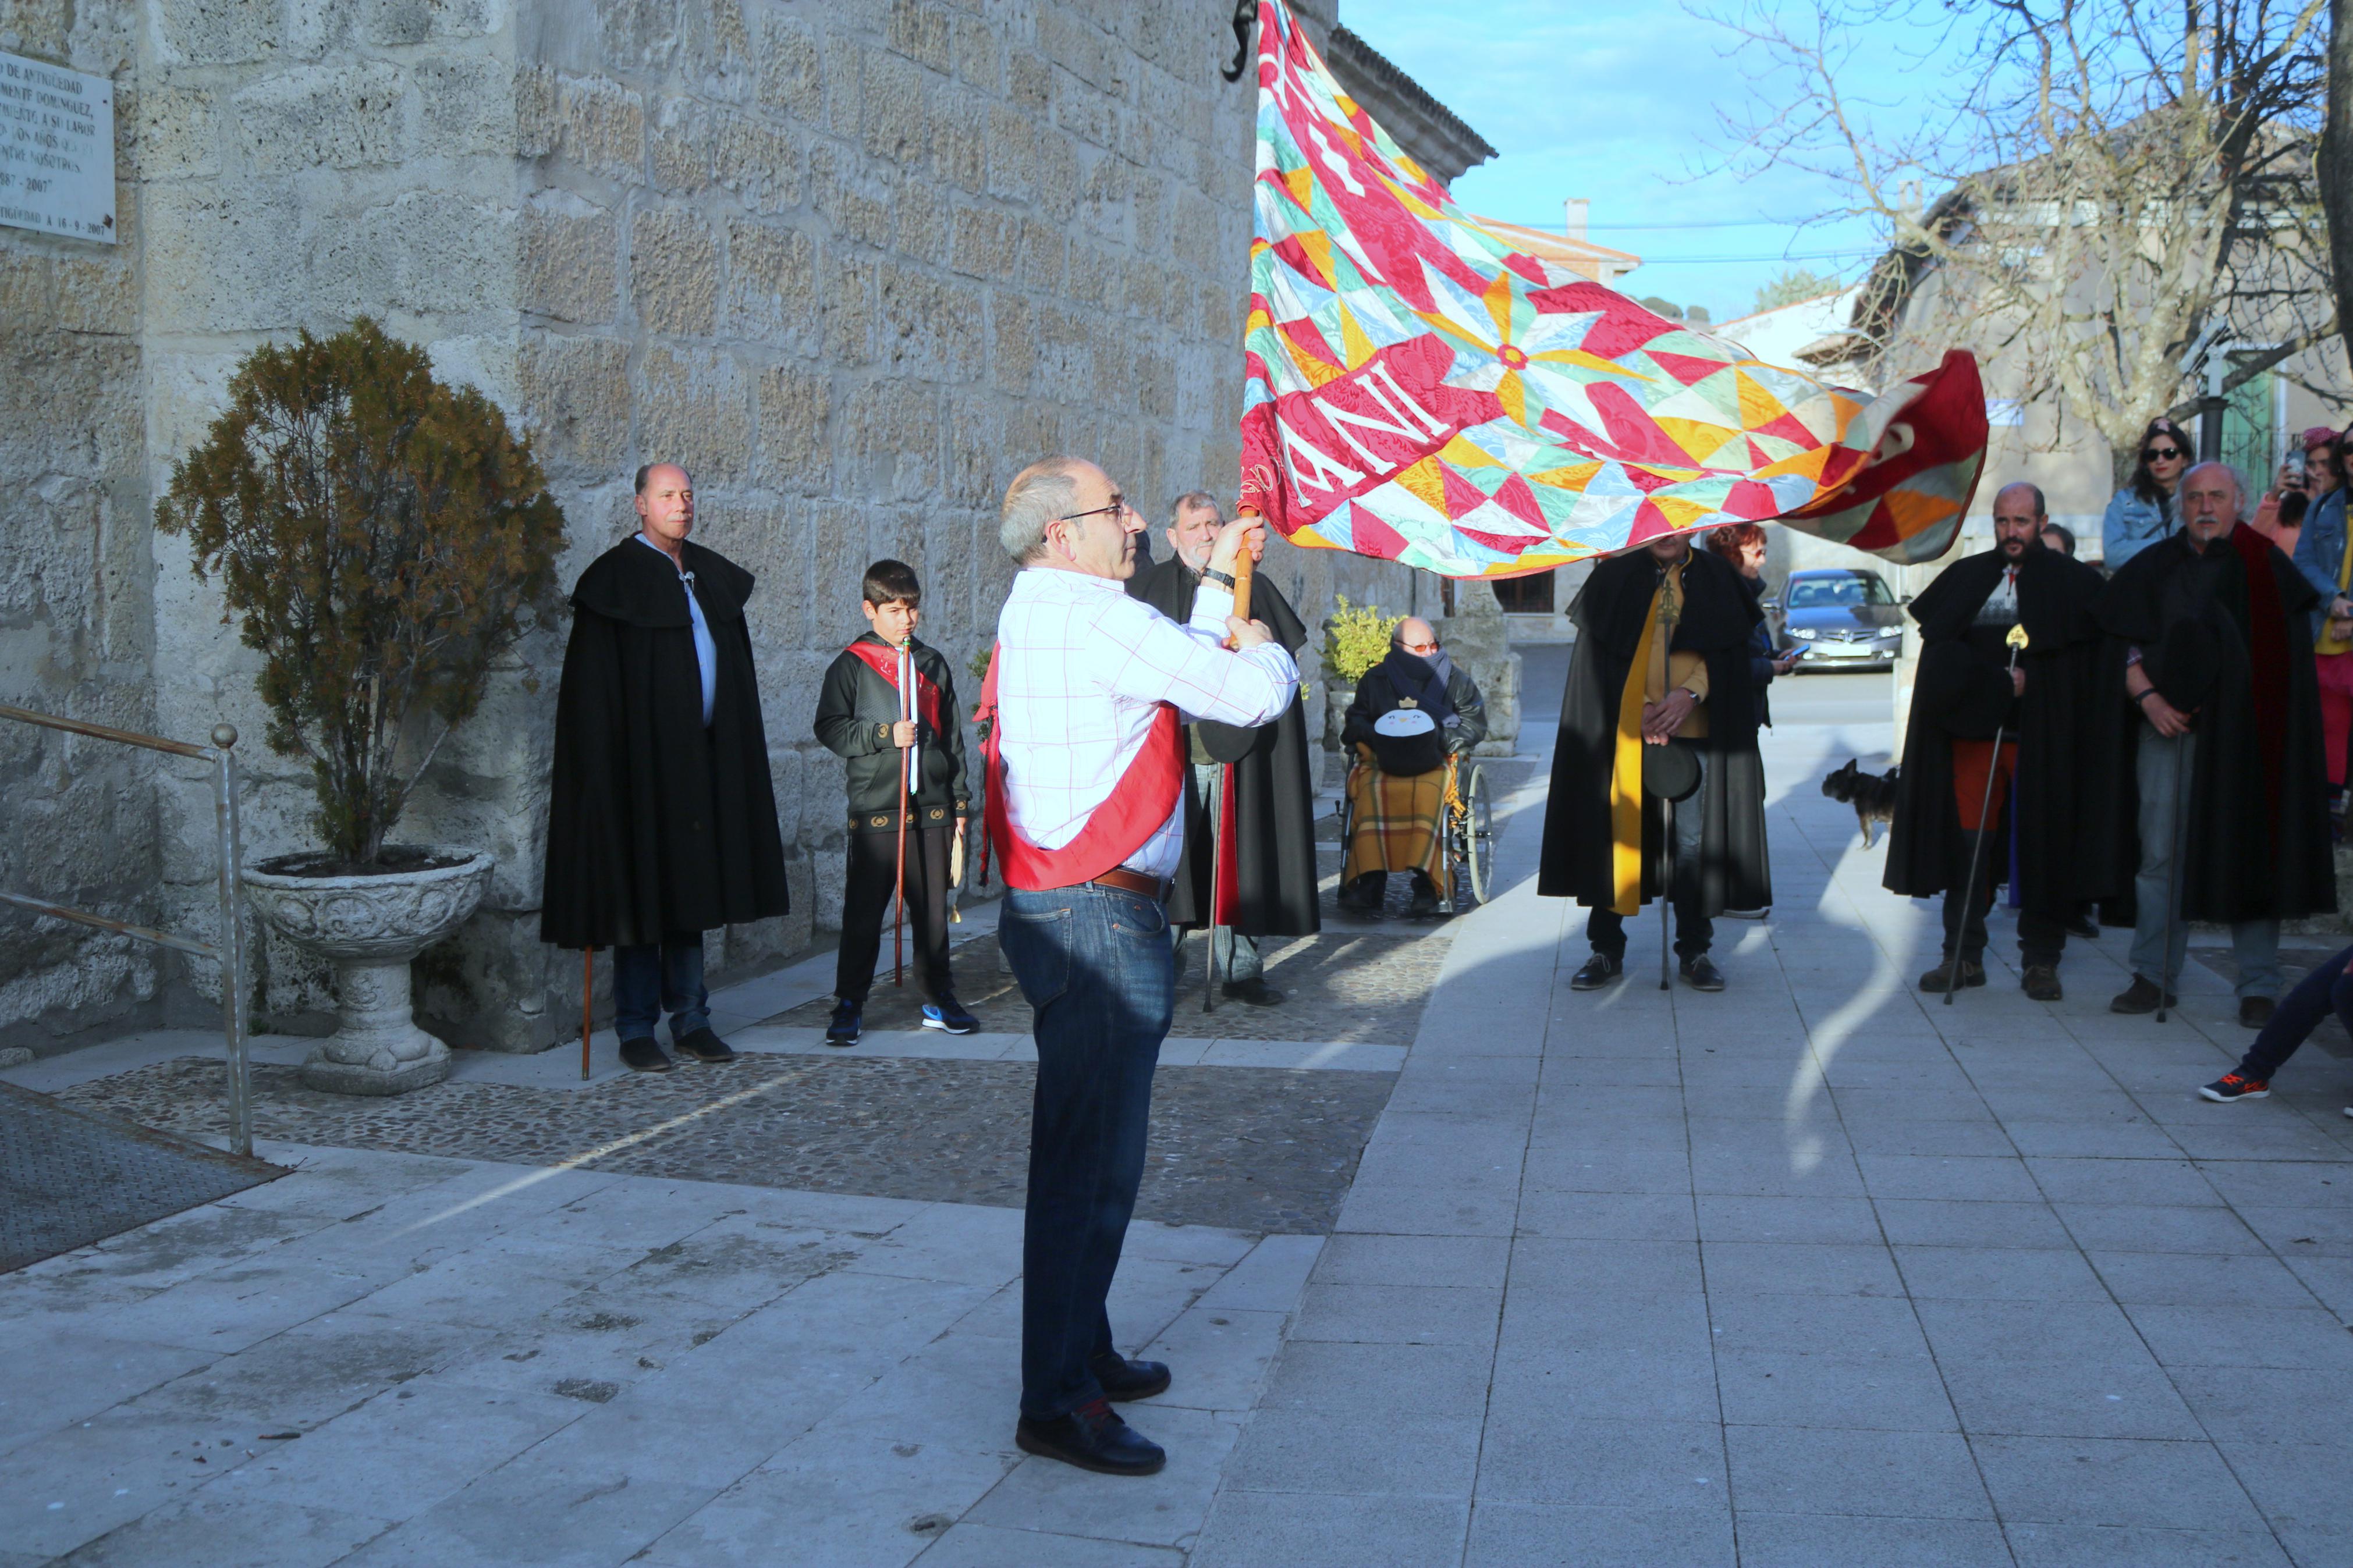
856, 708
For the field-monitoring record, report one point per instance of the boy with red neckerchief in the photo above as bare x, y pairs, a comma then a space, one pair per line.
858, 719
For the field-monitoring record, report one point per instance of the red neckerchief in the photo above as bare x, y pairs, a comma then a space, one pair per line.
883, 661
2267, 655
1147, 793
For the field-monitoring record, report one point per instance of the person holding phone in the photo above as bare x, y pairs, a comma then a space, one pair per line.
2323, 556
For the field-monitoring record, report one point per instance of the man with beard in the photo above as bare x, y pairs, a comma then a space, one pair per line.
2053, 787
2212, 627
1662, 661
1262, 848
1397, 787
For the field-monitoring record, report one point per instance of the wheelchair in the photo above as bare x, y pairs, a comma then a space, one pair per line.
1466, 829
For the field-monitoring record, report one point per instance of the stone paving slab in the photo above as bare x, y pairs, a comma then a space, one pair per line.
1256, 1148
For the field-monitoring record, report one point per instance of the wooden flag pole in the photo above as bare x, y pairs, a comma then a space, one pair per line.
587, 1001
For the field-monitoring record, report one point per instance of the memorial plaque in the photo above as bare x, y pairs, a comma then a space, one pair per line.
57, 149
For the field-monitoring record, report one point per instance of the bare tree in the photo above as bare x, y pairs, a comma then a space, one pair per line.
2337, 162
2115, 182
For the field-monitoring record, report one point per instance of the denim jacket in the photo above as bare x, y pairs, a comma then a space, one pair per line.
2320, 548
2131, 525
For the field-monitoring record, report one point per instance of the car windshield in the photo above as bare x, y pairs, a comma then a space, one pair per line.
1844, 590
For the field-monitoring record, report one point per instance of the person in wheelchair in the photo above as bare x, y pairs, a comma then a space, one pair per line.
1414, 713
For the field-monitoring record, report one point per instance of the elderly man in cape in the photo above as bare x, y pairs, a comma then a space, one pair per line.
1398, 784
2052, 785
661, 822
2212, 627
1260, 850
1086, 810
1664, 633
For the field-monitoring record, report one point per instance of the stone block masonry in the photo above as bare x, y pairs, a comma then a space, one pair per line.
854, 264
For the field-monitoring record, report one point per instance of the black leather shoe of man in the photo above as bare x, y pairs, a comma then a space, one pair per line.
1701, 974
2141, 996
1598, 971
1093, 1437
2083, 926
1254, 991
2041, 981
1972, 973
642, 1055
2254, 1012
1122, 1379
703, 1045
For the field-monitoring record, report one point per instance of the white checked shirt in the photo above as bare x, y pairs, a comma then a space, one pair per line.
1081, 670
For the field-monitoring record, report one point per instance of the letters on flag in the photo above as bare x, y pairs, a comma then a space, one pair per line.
1425, 391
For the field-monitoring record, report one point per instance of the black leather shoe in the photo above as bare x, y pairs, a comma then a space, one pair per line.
2254, 1012
1254, 991
2141, 996
2083, 926
2041, 981
1971, 973
1093, 1437
703, 1045
642, 1055
1598, 971
1701, 974
1122, 1379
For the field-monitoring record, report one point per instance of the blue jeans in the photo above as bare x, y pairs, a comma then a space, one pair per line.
2326, 989
649, 979
1096, 964
2255, 943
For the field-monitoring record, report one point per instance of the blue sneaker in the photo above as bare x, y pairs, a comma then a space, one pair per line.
843, 1030
948, 1015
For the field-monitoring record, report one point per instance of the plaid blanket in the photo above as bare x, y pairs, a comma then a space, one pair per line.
1393, 824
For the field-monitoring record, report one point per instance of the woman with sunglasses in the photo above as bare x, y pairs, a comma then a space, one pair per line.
2142, 512
2322, 556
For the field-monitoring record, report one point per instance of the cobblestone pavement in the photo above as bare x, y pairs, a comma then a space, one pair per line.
1250, 1148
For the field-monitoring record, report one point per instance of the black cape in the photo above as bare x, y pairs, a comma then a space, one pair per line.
2238, 864
1720, 617
2067, 726
1274, 798
657, 826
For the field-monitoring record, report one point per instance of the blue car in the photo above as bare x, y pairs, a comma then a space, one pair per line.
1843, 617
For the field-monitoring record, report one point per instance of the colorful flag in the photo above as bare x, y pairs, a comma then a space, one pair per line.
1425, 390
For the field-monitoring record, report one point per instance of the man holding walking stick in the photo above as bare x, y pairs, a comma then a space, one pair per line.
2211, 629
2007, 743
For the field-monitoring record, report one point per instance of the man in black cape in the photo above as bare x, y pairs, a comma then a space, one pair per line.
2212, 627
2053, 794
1271, 856
1660, 665
662, 823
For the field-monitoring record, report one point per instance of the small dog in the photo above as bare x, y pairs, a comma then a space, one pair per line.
1873, 795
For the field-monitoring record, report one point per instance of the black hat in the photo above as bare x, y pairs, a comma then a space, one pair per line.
1670, 772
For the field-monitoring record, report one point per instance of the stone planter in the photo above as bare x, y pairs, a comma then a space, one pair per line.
369, 928
1337, 701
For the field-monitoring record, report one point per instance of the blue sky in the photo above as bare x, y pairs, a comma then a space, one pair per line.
1615, 101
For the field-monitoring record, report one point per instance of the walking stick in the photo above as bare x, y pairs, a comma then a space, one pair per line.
2017, 640
1666, 892
2172, 872
906, 766
1217, 866
587, 996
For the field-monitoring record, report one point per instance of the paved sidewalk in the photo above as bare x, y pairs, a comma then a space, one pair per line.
1816, 1271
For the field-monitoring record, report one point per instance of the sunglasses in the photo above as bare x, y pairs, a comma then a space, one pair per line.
2160, 454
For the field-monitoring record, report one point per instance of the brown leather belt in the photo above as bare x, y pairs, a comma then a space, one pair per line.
1126, 882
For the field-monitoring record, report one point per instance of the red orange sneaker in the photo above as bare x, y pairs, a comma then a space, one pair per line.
2233, 1086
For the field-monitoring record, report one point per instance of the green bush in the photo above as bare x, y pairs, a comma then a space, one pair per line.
1355, 639
381, 537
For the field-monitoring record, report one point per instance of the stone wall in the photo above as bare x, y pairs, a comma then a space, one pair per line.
854, 264
76, 819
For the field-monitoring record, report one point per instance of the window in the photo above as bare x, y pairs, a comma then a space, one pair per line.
1528, 596
1845, 590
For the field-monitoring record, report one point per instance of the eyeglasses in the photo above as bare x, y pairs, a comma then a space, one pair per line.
1420, 647
1118, 505
2161, 454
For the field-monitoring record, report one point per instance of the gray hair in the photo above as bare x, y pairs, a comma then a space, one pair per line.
2238, 485
1041, 495
1177, 508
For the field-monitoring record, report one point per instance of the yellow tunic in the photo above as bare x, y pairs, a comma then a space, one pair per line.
1655, 672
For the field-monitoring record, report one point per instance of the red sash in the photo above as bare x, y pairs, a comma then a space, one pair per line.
1145, 795
883, 661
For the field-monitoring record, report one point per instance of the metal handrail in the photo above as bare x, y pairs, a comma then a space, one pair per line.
230, 949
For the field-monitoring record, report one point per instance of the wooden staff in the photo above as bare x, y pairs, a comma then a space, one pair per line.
588, 998
906, 762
